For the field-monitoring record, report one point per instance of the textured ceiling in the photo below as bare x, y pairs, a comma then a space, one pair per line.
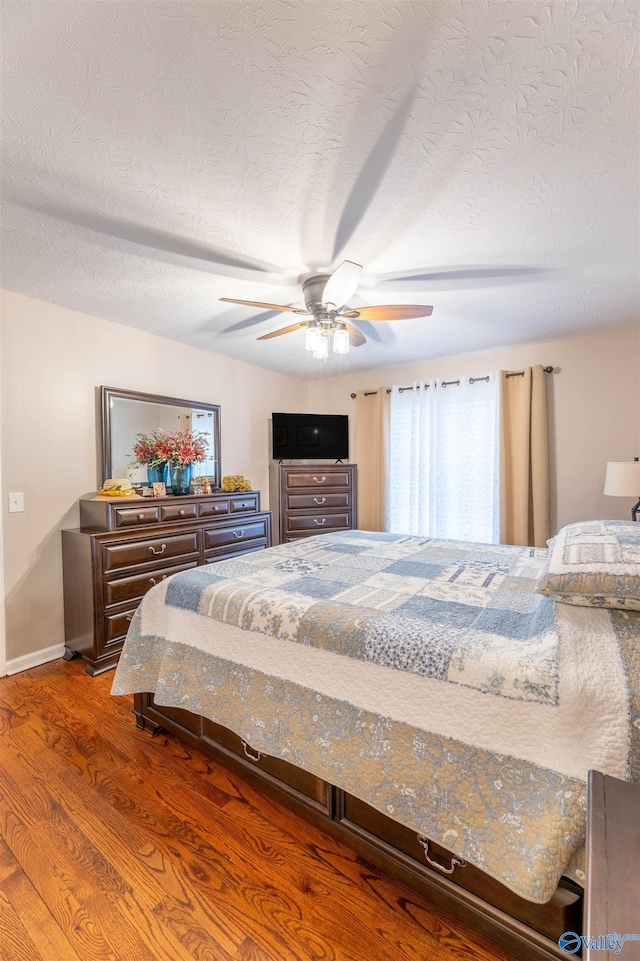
158, 156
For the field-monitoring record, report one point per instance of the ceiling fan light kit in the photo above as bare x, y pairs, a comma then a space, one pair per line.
320, 335
326, 296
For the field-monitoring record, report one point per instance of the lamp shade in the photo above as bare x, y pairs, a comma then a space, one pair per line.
622, 479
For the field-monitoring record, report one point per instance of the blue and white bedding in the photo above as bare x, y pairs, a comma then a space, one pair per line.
426, 677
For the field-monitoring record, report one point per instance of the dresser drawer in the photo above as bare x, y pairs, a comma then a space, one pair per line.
134, 517
231, 553
187, 720
316, 502
118, 556
560, 914
249, 502
213, 508
223, 536
117, 625
321, 478
317, 523
178, 512
126, 588
301, 781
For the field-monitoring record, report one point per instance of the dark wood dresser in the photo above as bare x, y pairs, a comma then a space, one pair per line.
312, 499
124, 547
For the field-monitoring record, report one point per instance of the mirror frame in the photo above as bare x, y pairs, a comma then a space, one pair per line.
107, 394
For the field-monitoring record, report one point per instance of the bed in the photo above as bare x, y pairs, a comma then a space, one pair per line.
431, 693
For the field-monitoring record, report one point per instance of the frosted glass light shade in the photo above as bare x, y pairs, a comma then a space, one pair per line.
312, 335
622, 479
321, 350
341, 340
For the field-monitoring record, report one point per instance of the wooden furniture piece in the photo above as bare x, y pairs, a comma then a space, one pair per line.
124, 547
312, 499
530, 931
612, 896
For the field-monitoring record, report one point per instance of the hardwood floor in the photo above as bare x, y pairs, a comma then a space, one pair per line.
116, 846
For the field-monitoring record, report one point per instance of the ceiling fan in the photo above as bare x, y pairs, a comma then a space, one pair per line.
325, 296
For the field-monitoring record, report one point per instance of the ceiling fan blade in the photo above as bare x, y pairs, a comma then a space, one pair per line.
470, 276
283, 330
393, 312
356, 337
259, 303
342, 284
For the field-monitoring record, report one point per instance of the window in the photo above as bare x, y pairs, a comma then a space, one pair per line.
443, 461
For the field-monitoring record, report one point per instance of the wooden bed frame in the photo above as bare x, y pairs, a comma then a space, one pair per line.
529, 931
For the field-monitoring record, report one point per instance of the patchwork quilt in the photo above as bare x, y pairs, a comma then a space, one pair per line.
426, 677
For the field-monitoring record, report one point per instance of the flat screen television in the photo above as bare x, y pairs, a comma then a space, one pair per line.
310, 436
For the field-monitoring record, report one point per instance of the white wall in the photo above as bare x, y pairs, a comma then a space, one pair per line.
593, 402
53, 359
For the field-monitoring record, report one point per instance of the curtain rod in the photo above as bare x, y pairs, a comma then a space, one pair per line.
448, 383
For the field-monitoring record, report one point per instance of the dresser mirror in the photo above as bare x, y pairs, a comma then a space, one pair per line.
126, 413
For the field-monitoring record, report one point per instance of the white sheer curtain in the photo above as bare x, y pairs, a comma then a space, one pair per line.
407, 506
443, 463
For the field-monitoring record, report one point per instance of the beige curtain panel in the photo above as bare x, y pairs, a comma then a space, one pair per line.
372, 446
524, 458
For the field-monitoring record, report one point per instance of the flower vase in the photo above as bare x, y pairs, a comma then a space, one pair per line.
180, 478
158, 473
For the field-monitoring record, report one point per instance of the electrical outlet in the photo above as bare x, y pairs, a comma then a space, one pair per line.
16, 503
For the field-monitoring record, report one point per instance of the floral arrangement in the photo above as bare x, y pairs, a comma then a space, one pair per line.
173, 447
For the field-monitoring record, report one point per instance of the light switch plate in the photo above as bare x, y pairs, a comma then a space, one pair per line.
16, 503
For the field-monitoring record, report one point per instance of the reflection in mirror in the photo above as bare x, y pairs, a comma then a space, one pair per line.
126, 413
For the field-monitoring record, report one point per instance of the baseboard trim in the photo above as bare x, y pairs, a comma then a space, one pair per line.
23, 663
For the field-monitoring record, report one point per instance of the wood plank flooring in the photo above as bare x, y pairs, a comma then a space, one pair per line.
116, 846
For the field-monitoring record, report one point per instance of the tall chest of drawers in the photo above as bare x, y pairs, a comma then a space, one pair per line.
124, 547
312, 499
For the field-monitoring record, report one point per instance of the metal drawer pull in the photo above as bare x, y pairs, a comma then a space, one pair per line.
152, 580
320, 523
161, 551
129, 617
181, 512
252, 757
239, 533
455, 862
217, 507
320, 480
140, 517
319, 500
